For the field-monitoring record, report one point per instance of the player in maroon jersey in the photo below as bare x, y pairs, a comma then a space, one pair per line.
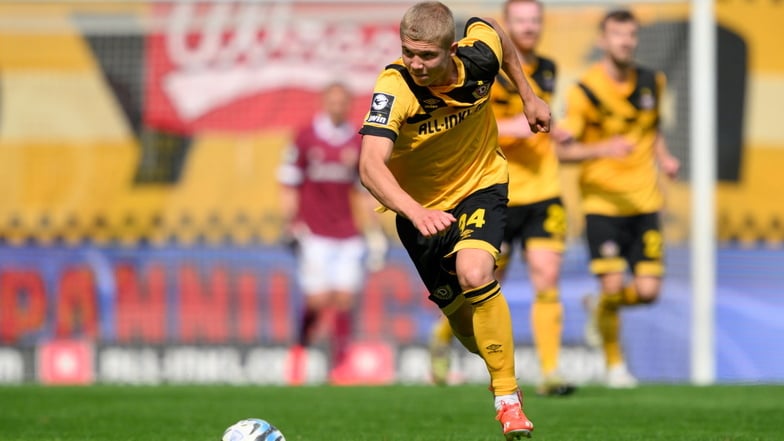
319, 178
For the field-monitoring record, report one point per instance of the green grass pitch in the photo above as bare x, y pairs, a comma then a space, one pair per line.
410, 413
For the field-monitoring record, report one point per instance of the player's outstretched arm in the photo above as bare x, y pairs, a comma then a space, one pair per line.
378, 179
536, 110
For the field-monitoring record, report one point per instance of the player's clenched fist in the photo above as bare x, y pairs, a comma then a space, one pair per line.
431, 222
538, 114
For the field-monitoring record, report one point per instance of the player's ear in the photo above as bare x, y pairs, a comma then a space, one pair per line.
453, 48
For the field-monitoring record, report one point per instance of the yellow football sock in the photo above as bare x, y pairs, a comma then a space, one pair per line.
442, 331
629, 296
611, 301
493, 332
609, 322
547, 326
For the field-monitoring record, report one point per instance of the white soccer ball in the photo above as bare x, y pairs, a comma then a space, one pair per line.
252, 429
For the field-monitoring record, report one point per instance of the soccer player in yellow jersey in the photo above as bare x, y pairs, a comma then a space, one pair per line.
430, 153
612, 126
535, 215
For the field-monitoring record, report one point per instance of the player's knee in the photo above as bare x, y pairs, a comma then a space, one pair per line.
343, 300
545, 277
647, 288
317, 301
472, 278
611, 283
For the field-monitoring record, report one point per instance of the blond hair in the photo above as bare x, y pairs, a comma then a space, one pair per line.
430, 22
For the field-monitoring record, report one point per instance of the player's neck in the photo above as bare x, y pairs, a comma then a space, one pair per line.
453, 74
450, 77
617, 72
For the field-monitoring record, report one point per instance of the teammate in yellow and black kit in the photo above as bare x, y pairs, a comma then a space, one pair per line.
430, 153
536, 218
612, 126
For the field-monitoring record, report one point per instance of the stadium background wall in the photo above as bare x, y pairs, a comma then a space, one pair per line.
153, 315
138, 143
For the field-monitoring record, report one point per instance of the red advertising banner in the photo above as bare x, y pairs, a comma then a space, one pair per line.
252, 66
179, 295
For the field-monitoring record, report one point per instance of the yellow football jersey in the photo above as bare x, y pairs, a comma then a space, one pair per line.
445, 137
597, 109
533, 162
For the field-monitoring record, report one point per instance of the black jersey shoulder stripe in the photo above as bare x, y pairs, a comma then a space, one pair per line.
545, 68
646, 79
481, 67
590, 95
479, 60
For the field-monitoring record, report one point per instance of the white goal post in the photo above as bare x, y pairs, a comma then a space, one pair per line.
703, 180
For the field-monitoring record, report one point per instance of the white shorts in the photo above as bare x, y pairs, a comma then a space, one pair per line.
328, 264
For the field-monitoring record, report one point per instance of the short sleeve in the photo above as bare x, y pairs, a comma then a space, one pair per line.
390, 106
479, 30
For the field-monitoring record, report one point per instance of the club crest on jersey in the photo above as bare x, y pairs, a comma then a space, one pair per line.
481, 91
380, 108
647, 100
